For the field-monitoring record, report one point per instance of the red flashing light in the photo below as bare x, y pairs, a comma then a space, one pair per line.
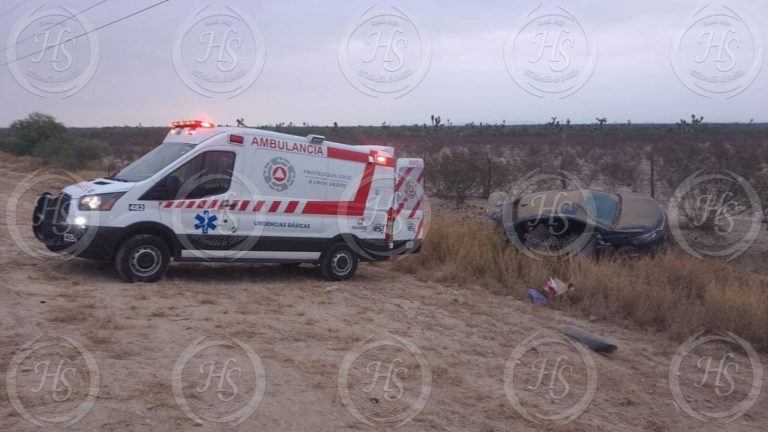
194, 124
383, 160
236, 139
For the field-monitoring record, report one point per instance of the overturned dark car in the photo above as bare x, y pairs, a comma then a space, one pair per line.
569, 222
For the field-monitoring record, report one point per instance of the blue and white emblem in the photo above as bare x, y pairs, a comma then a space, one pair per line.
206, 222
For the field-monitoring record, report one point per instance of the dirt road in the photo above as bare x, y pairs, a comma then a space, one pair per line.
306, 336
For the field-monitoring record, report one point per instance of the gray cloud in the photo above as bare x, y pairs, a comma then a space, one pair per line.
301, 80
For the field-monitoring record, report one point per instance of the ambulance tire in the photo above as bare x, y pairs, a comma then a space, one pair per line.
142, 258
339, 262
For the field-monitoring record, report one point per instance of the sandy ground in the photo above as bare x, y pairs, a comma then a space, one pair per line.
303, 332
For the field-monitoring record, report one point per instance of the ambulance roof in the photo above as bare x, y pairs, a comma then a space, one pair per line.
196, 132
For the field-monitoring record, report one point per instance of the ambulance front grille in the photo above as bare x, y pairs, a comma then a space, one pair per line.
65, 200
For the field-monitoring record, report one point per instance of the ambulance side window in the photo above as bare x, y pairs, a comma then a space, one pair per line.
208, 174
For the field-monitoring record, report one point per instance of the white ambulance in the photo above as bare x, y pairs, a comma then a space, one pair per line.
238, 194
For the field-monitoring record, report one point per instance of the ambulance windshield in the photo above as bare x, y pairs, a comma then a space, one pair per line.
152, 162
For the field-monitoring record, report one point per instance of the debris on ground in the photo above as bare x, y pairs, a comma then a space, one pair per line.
537, 297
555, 287
591, 340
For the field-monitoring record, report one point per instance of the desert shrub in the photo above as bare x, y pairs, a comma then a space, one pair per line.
69, 152
26, 134
456, 173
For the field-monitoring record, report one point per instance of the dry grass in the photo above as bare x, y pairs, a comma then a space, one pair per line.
28, 164
672, 292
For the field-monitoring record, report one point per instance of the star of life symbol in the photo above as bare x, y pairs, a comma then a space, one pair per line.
206, 222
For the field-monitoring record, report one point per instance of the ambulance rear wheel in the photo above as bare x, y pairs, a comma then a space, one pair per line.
142, 258
339, 262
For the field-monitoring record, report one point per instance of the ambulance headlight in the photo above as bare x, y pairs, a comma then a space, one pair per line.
103, 202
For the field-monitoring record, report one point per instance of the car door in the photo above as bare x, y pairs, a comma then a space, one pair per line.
199, 201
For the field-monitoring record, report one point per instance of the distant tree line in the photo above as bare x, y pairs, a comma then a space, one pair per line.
470, 160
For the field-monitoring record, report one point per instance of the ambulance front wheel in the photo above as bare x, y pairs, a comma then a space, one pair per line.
142, 258
339, 262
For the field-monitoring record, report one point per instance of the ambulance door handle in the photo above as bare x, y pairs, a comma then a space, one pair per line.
227, 223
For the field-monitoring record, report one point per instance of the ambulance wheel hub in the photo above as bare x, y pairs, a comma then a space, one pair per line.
146, 260
342, 262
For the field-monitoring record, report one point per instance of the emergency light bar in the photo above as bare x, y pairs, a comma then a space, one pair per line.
193, 124
316, 139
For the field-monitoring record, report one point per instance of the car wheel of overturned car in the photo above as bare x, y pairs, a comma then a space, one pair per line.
142, 258
339, 262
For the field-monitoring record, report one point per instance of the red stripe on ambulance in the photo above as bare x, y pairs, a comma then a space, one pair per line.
348, 155
291, 206
356, 207
402, 179
418, 230
415, 209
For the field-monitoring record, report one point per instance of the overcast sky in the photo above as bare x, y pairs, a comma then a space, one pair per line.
466, 61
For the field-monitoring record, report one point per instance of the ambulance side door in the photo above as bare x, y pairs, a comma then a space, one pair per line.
199, 199
373, 224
